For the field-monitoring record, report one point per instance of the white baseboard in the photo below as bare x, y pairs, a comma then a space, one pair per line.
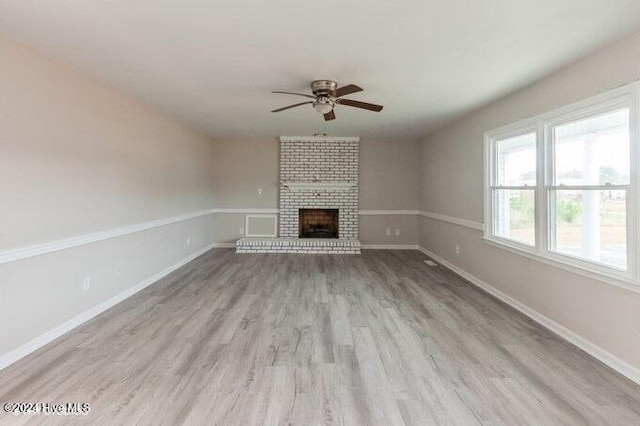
589, 347
31, 346
390, 246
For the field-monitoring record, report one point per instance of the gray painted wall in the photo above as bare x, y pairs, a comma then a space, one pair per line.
388, 181
78, 158
451, 183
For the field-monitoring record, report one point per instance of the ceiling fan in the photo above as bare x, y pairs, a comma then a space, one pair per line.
326, 95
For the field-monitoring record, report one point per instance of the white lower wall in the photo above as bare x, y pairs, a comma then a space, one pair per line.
45, 292
602, 318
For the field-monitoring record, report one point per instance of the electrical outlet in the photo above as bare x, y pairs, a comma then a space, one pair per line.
188, 241
118, 270
241, 231
86, 283
388, 231
260, 191
457, 249
397, 232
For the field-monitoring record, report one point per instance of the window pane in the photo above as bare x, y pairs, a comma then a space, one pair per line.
516, 160
591, 225
594, 151
514, 215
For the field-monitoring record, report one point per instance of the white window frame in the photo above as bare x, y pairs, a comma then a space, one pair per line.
492, 181
623, 97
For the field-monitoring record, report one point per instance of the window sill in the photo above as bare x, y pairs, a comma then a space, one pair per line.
625, 282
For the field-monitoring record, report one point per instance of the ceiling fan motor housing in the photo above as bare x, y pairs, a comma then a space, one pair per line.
324, 87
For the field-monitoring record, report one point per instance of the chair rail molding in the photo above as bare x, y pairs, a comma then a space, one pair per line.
450, 219
388, 212
20, 253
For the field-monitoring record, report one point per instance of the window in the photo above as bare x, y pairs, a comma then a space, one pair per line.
563, 185
514, 189
590, 177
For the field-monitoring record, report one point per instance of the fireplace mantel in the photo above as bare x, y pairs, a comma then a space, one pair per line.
326, 186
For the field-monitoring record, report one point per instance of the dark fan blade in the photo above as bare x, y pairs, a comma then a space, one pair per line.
298, 94
347, 90
291, 106
358, 104
330, 116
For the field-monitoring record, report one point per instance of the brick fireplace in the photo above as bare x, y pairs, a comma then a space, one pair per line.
319, 173
319, 186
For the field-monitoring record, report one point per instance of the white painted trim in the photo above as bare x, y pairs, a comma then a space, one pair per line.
589, 347
21, 253
245, 211
388, 212
31, 346
247, 219
456, 221
389, 246
66, 243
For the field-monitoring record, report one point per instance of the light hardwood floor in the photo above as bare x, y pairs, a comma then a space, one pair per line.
379, 338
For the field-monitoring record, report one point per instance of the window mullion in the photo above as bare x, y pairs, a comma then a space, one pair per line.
547, 213
539, 185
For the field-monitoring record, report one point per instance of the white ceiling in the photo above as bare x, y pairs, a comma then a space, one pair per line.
214, 63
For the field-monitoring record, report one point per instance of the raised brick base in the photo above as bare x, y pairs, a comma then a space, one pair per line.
297, 245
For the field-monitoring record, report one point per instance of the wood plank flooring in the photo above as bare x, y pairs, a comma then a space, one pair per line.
379, 339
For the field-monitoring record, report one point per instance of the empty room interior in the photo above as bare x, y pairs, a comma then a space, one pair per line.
320, 213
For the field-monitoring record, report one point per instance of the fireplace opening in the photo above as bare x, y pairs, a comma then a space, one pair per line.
318, 223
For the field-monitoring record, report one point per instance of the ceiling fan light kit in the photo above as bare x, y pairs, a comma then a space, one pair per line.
326, 95
323, 104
